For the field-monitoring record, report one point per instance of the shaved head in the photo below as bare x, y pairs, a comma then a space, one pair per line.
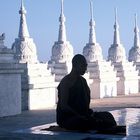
78, 59
79, 64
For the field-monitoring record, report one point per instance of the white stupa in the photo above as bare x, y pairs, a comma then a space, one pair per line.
92, 51
24, 46
116, 52
101, 72
126, 72
38, 83
134, 53
62, 51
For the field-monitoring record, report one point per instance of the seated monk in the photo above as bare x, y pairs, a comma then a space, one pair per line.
73, 111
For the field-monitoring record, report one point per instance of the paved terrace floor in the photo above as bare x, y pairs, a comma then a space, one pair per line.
119, 106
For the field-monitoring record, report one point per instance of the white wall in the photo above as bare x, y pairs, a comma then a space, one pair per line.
10, 93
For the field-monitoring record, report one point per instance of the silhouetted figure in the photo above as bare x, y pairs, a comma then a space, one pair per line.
73, 111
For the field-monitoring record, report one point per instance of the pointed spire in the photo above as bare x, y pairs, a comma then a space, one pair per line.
62, 7
91, 9
92, 51
136, 32
22, 5
116, 30
92, 35
23, 29
116, 52
116, 16
24, 46
62, 28
135, 20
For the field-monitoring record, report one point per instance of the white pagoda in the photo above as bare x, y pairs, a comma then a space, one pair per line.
24, 45
62, 51
116, 52
102, 73
134, 52
126, 72
92, 51
38, 83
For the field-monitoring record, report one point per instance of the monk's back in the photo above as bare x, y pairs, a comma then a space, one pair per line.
78, 98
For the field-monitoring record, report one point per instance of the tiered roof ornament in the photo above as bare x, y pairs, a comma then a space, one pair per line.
62, 50
23, 29
116, 52
24, 46
134, 53
62, 28
92, 51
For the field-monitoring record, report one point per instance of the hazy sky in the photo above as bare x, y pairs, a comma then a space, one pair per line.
42, 19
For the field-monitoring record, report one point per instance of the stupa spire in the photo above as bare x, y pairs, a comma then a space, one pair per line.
92, 51
92, 35
62, 28
116, 52
134, 52
116, 40
62, 50
23, 29
136, 34
62, 7
91, 9
24, 46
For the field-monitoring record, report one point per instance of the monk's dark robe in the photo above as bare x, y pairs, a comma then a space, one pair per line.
79, 101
